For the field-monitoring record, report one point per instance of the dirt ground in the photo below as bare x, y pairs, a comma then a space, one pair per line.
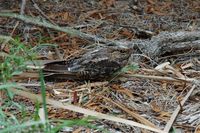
118, 20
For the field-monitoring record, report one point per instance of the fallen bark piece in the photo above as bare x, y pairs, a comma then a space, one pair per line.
168, 42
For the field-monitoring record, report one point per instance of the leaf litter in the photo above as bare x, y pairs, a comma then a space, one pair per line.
148, 100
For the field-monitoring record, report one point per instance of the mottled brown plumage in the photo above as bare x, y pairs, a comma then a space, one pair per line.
94, 64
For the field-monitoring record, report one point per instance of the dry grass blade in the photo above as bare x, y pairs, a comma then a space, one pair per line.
174, 115
58, 104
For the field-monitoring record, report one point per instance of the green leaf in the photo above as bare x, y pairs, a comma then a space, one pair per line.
17, 72
10, 85
19, 127
131, 67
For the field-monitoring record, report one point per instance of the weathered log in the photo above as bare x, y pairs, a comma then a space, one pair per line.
167, 42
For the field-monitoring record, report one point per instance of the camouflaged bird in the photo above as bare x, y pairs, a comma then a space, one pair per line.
94, 64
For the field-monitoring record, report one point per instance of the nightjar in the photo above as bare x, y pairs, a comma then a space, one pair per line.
93, 64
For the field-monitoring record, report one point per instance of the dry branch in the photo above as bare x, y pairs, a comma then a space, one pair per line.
70, 31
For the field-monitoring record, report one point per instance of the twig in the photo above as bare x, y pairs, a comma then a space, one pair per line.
41, 12
17, 23
174, 115
190, 80
22, 8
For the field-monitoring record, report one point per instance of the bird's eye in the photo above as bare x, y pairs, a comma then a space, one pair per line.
121, 51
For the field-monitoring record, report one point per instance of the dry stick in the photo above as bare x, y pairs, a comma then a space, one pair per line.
41, 12
15, 27
174, 115
68, 30
74, 108
133, 114
22, 8
190, 80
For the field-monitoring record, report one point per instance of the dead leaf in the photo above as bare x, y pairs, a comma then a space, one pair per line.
151, 2
56, 92
123, 90
155, 107
197, 130
162, 66
126, 33
107, 3
165, 114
